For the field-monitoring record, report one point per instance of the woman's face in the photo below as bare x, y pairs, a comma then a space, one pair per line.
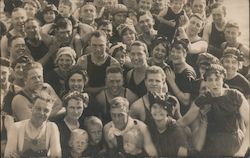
138, 56
49, 16
159, 53
41, 111
18, 70
145, 5
157, 112
75, 108
195, 25
177, 56
64, 62
154, 82
214, 84
231, 65
128, 37
76, 82
30, 10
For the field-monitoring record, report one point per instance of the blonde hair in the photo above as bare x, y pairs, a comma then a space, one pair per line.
76, 133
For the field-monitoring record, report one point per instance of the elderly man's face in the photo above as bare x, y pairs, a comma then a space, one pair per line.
34, 79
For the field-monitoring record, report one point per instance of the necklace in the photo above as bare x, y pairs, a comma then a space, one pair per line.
34, 133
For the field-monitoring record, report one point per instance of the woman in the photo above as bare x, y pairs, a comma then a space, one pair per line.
35, 137
181, 77
127, 34
231, 61
136, 76
168, 137
75, 103
159, 53
65, 59
227, 115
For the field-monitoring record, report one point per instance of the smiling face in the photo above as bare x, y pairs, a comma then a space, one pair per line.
177, 56
177, 5
76, 82
18, 70
138, 56
145, 5
49, 16
159, 54
32, 29
79, 143
158, 112
64, 62
128, 37
98, 44
41, 111
195, 25
18, 19
199, 6
214, 83
18, 47
114, 82
232, 34
218, 15
30, 10
231, 65
154, 82
146, 23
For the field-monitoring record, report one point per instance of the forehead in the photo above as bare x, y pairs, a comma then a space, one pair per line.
35, 71
136, 48
18, 41
18, 13
232, 28
117, 75
76, 76
156, 75
229, 58
88, 7
97, 40
95, 126
75, 102
64, 56
218, 10
194, 18
41, 104
199, 2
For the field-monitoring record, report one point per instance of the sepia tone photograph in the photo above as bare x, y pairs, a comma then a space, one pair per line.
124, 78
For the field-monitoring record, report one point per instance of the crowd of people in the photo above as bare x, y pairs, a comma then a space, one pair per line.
122, 79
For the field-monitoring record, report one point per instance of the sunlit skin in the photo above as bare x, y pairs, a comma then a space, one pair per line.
119, 18
95, 133
34, 80
88, 14
17, 47
30, 10
154, 82
64, 63
218, 15
18, 19
18, 70
177, 6
40, 112
74, 109
128, 37
32, 30
195, 26
199, 6
146, 23
64, 35
98, 44
76, 83
120, 57
138, 56
177, 56
114, 83
232, 34
64, 10
145, 5
215, 84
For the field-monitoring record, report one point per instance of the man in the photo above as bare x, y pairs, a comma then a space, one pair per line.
18, 18
35, 137
88, 15
155, 83
114, 88
34, 85
214, 32
120, 124
96, 62
148, 34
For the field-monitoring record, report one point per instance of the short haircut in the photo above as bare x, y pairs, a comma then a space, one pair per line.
88, 4
160, 40
98, 34
62, 23
45, 96
216, 69
92, 120
17, 10
13, 39
21, 59
155, 70
76, 133
114, 69
30, 66
219, 5
120, 103
103, 23
66, 2
181, 44
139, 43
77, 96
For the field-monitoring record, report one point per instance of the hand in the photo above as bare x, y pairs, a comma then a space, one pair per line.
55, 45
172, 23
170, 75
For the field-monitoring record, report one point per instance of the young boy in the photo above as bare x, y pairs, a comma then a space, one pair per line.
232, 33
133, 143
171, 18
78, 143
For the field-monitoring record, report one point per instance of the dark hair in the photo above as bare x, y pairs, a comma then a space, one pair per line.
97, 34
181, 44
103, 23
216, 69
4, 62
13, 38
139, 43
218, 5
62, 23
114, 69
21, 59
77, 96
160, 40
76, 69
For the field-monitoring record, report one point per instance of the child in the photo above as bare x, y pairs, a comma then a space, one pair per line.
171, 18
96, 147
232, 33
78, 143
133, 143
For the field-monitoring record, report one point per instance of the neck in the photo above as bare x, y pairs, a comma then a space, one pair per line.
220, 93
192, 36
141, 69
35, 123
75, 154
179, 67
19, 82
117, 94
161, 124
70, 120
220, 24
229, 76
97, 60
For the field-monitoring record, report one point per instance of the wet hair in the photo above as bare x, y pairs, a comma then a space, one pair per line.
139, 43
216, 69
92, 120
155, 70
77, 96
30, 66
76, 69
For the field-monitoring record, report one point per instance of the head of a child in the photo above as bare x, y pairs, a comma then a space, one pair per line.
133, 141
94, 128
78, 141
65, 8
232, 32
177, 5
119, 52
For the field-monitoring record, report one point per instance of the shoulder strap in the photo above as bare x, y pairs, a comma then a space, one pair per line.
48, 134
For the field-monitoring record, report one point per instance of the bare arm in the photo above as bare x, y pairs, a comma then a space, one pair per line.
207, 32
12, 143
135, 110
190, 116
244, 112
55, 147
20, 108
198, 47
